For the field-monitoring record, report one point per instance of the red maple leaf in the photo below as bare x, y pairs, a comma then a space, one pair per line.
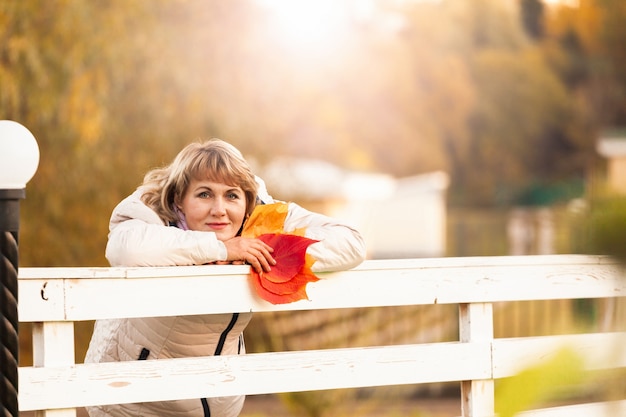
288, 287
287, 280
289, 252
274, 298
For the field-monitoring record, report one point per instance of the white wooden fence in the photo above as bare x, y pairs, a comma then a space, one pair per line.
54, 298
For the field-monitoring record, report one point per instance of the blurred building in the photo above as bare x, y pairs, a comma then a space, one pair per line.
407, 220
613, 148
399, 217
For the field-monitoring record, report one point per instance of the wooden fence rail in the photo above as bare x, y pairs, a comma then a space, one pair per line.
54, 298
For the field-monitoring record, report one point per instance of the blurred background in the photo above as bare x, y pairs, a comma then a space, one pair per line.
437, 127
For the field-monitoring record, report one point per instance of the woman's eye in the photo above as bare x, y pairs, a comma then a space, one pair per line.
233, 196
204, 194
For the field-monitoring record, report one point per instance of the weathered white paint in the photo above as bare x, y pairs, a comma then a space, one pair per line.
89, 293
109, 383
476, 325
55, 297
53, 347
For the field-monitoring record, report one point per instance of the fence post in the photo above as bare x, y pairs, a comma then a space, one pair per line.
476, 325
53, 345
19, 158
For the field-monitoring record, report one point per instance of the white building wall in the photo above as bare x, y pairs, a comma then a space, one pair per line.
408, 221
400, 218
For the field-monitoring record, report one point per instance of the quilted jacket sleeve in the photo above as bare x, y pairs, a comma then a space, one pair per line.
340, 246
138, 237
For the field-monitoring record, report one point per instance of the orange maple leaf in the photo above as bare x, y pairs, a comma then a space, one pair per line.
266, 218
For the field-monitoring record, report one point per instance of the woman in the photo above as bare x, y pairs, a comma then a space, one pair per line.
191, 213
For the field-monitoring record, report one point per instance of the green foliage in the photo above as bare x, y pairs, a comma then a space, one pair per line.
607, 227
536, 385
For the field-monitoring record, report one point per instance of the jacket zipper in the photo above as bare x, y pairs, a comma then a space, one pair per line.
218, 351
220, 344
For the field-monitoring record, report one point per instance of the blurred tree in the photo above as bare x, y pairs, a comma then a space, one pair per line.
484, 24
532, 18
610, 40
524, 118
443, 90
524, 129
69, 70
113, 89
592, 36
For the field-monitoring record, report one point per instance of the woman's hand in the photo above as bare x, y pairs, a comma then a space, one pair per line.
254, 252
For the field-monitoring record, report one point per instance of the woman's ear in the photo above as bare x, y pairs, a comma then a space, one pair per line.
177, 202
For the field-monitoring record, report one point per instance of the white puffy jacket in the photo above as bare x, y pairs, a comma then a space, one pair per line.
138, 237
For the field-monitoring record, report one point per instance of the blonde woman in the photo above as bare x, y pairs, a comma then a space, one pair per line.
190, 213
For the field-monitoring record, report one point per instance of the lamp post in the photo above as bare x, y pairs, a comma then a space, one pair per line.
19, 158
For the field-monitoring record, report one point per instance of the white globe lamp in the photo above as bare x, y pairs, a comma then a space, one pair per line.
19, 158
19, 155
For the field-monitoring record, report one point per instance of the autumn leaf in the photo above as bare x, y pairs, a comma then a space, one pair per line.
274, 298
287, 280
266, 218
289, 253
288, 287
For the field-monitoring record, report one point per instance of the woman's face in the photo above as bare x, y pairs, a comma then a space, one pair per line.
214, 207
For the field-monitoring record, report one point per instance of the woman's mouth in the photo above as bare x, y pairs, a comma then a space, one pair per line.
217, 226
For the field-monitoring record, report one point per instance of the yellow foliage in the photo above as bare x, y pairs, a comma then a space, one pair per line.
540, 383
82, 110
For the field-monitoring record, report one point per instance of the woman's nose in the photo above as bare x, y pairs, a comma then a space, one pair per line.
218, 207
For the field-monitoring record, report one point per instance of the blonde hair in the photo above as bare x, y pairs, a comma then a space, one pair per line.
214, 160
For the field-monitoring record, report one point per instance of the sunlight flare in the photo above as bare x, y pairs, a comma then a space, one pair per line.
306, 23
